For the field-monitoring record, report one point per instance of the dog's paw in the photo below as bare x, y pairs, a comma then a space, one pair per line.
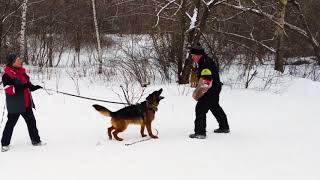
143, 135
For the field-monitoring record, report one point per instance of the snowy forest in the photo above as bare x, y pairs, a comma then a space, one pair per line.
249, 33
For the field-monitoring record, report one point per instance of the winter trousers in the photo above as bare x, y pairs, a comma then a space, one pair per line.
12, 121
203, 106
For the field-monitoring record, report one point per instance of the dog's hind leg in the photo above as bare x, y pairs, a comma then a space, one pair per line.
150, 131
115, 135
110, 129
142, 130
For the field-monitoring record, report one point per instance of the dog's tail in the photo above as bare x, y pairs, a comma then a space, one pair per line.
102, 110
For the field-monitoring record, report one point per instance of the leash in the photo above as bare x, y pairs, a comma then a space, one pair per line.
4, 107
135, 142
83, 97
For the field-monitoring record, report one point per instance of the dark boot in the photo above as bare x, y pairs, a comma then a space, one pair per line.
221, 130
197, 136
39, 143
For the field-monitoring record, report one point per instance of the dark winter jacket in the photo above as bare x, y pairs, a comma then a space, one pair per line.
207, 62
17, 88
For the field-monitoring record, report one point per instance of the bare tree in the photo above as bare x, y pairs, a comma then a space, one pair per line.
23, 45
309, 35
8, 9
97, 36
192, 17
257, 10
280, 15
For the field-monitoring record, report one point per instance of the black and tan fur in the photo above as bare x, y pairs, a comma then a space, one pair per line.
193, 78
141, 114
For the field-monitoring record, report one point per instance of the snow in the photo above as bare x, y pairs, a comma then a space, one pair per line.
212, 1
193, 19
273, 136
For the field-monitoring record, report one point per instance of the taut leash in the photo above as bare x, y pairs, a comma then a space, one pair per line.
83, 97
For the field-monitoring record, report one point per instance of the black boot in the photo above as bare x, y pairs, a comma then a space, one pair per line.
220, 130
40, 143
197, 136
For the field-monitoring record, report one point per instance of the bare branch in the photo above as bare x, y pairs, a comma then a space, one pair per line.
250, 39
159, 12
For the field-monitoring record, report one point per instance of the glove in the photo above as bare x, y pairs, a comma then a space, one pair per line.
37, 87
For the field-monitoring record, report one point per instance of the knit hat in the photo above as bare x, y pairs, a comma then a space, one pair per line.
197, 49
11, 58
206, 72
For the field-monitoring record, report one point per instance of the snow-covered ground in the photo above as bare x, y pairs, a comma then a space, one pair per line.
273, 136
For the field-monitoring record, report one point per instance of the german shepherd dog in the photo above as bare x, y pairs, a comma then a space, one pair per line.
141, 114
193, 78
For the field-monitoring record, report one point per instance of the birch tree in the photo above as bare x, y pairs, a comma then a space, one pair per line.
23, 45
198, 22
97, 36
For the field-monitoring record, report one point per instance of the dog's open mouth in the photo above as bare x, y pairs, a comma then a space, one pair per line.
160, 97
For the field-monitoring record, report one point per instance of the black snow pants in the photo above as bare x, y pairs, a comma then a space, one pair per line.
206, 103
12, 121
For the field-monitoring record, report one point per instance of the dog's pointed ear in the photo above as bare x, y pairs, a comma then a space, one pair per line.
161, 97
160, 91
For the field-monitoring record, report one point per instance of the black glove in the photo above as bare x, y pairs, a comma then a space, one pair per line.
37, 87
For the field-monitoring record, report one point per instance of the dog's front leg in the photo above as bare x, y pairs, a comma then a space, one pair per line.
142, 130
150, 131
110, 129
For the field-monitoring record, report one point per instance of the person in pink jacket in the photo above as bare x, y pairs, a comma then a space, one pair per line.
18, 88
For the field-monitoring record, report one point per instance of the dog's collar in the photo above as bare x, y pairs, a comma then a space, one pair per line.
152, 106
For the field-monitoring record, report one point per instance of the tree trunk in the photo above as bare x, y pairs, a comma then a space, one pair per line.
50, 47
1, 32
182, 54
189, 41
280, 35
50, 40
2, 55
193, 37
97, 35
23, 53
